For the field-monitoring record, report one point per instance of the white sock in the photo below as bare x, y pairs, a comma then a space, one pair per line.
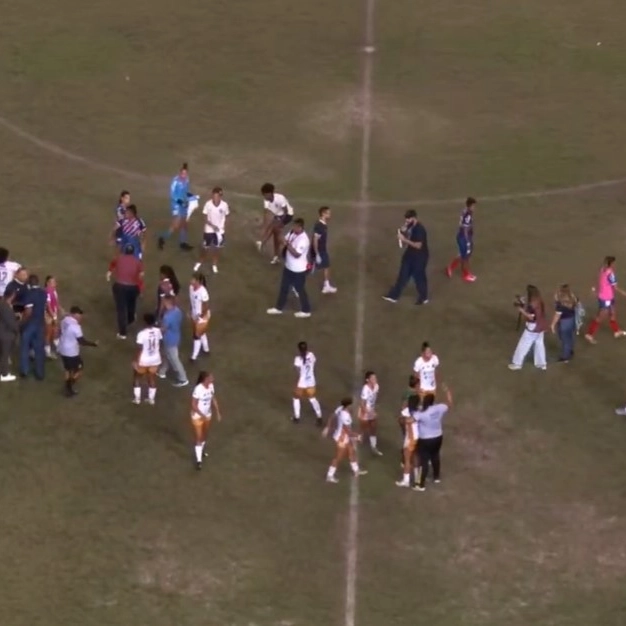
373, 442
331, 471
205, 343
152, 393
406, 478
316, 406
48, 350
197, 344
137, 393
355, 466
198, 450
416, 474
56, 343
326, 283
296, 408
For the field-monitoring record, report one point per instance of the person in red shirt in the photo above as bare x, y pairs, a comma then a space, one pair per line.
127, 275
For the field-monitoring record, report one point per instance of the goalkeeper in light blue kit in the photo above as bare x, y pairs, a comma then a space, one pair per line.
179, 201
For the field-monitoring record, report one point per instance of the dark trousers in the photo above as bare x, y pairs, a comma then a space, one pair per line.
7, 342
125, 297
297, 280
411, 270
428, 451
567, 332
33, 339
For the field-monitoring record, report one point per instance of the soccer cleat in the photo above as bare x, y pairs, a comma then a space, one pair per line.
329, 289
214, 268
160, 243
448, 271
7, 378
295, 420
161, 374
197, 267
120, 336
514, 367
590, 339
420, 302
136, 401
621, 411
180, 383
301, 314
619, 333
185, 246
149, 401
361, 472
376, 452
388, 299
402, 483
274, 311
437, 481
469, 278
275, 261
198, 465
259, 245
419, 488
332, 479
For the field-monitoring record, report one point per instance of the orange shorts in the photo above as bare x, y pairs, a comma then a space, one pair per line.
304, 392
142, 370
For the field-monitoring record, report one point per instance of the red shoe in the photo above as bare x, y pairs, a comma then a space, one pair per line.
469, 278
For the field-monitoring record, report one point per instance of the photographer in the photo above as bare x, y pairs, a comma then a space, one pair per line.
533, 313
564, 321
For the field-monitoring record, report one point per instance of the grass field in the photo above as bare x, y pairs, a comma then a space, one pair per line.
104, 520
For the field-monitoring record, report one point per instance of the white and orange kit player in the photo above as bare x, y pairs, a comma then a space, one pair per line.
305, 386
148, 359
203, 405
345, 441
425, 369
367, 411
411, 436
200, 314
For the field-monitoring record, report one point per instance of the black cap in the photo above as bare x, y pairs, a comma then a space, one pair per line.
76, 310
410, 213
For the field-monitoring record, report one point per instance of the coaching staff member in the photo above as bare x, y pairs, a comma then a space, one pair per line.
9, 329
127, 276
33, 329
296, 247
70, 341
414, 259
430, 429
19, 287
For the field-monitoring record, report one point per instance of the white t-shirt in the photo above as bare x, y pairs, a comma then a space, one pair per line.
279, 206
306, 366
426, 372
70, 333
150, 341
204, 395
344, 425
301, 243
369, 395
216, 215
197, 297
7, 272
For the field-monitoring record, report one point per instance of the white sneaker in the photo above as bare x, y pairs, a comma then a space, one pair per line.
181, 383
418, 488
388, 299
301, 314
332, 479
7, 378
136, 401
329, 289
376, 452
259, 245
149, 401
361, 472
401, 483
619, 333
274, 311
215, 269
197, 266
120, 336
542, 367
161, 375
514, 367
275, 261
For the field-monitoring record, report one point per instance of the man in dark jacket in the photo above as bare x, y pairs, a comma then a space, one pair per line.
9, 329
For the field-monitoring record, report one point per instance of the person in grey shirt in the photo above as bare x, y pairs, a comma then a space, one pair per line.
9, 329
430, 429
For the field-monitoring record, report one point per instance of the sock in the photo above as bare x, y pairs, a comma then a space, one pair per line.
373, 442
406, 478
315, 403
296, 408
205, 343
355, 466
137, 393
182, 235
593, 326
614, 326
454, 264
197, 344
48, 350
331, 471
152, 393
56, 343
198, 451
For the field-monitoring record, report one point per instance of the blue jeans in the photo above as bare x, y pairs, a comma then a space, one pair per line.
411, 271
33, 338
566, 329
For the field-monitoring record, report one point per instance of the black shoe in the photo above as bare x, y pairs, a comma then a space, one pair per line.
161, 243
186, 247
295, 420
319, 422
198, 466
563, 360
70, 392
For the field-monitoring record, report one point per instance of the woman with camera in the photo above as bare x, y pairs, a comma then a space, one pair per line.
564, 321
533, 312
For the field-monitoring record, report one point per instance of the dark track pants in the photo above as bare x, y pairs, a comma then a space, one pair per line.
125, 297
415, 271
428, 451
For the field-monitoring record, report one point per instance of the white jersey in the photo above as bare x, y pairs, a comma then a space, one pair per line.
204, 395
306, 367
426, 372
279, 206
343, 427
7, 272
369, 395
411, 430
197, 298
150, 341
215, 215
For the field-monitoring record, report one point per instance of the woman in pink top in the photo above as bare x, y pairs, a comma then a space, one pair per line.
605, 290
53, 310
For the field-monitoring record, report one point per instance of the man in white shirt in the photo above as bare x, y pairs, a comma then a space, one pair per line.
296, 248
215, 211
277, 214
8, 269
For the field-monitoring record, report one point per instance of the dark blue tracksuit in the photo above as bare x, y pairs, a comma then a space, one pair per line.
33, 333
413, 265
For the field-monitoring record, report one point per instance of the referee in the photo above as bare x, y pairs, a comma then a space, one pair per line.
127, 278
430, 428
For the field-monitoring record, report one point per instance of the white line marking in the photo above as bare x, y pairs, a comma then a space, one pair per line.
362, 221
54, 148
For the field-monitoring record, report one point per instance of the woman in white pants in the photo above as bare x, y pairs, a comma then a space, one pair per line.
533, 312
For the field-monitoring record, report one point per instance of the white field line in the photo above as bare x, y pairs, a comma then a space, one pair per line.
362, 207
53, 148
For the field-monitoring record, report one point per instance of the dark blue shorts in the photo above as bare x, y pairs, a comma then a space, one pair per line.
211, 240
605, 304
465, 247
283, 219
324, 261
